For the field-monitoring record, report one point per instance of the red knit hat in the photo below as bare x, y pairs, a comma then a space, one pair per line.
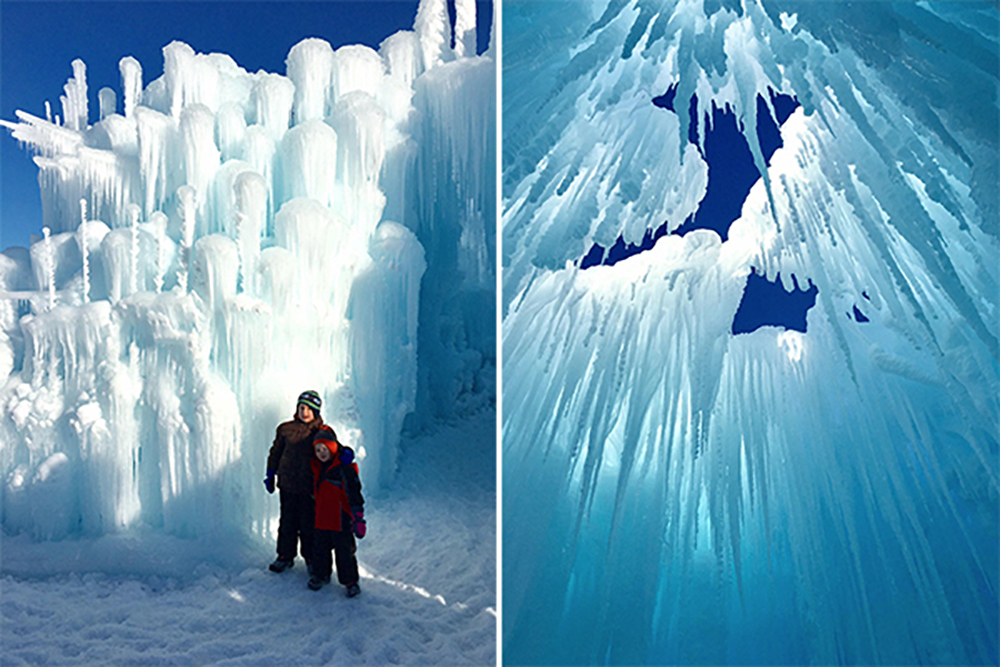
325, 437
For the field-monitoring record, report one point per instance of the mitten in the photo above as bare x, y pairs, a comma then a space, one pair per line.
269, 481
360, 527
346, 456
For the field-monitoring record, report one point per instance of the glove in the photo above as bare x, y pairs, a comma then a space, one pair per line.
269, 481
346, 456
360, 527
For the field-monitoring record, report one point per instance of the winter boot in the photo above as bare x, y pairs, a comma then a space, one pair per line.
280, 565
353, 590
315, 583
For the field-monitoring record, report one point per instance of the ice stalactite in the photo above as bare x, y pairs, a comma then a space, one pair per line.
50, 266
159, 222
187, 196
237, 252
384, 310
772, 497
84, 251
134, 264
455, 139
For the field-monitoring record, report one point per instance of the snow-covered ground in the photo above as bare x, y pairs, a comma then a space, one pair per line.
428, 568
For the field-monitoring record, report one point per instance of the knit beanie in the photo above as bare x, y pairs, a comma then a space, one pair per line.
311, 400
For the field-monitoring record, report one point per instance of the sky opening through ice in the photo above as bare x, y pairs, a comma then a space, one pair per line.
711, 483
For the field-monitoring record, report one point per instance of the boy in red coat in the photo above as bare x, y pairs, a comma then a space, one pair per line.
339, 512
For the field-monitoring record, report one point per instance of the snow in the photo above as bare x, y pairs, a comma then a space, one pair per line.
427, 576
775, 497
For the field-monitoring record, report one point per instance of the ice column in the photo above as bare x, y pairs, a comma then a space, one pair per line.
201, 157
434, 29
383, 313
251, 206
74, 102
108, 102
465, 28
272, 97
310, 67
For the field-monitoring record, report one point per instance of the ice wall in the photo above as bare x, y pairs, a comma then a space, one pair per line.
231, 240
678, 494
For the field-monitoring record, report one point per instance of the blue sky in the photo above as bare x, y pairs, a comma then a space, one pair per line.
39, 40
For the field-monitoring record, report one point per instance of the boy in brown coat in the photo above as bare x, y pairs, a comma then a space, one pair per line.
289, 460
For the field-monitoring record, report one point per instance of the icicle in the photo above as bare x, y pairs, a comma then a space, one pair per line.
134, 272
188, 198
160, 222
85, 250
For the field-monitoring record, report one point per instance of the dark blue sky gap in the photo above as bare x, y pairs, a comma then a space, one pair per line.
768, 304
731, 175
731, 171
39, 40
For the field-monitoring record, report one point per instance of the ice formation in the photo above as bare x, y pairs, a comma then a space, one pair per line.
675, 493
244, 237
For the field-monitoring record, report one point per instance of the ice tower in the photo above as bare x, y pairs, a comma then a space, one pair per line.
675, 492
220, 240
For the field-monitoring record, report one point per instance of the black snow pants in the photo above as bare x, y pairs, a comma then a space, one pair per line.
298, 516
342, 543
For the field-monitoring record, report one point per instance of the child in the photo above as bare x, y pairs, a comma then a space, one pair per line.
289, 462
339, 512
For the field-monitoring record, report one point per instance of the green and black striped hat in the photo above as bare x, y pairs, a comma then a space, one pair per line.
311, 399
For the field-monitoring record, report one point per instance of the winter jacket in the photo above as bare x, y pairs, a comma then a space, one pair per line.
337, 488
291, 452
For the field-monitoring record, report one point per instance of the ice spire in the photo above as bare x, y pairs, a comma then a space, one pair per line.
74, 102
434, 29
131, 72
465, 28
